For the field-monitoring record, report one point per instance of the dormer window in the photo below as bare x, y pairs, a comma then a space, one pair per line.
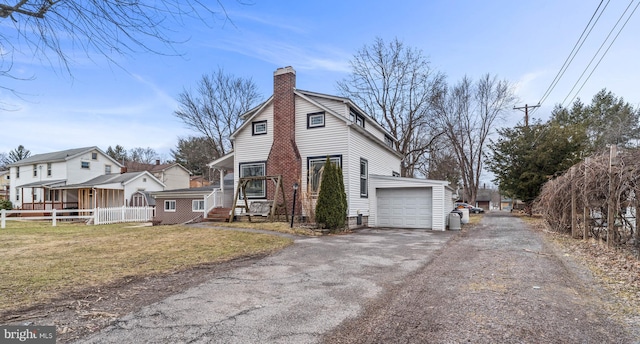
356, 118
388, 141
259, 128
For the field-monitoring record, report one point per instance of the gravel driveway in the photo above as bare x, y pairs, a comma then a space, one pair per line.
495, 283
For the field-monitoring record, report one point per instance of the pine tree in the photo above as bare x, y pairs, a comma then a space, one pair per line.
331, 208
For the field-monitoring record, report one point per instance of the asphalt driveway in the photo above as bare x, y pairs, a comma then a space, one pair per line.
294, 296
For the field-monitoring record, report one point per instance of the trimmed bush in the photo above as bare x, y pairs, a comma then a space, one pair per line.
6, 204
331, 207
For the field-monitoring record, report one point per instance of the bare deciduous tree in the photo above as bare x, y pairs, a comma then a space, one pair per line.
214, 108
106, 27
468, 114
143, 155
396, 85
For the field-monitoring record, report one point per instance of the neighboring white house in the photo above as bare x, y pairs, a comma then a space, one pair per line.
293, 133
80, 178
172, 175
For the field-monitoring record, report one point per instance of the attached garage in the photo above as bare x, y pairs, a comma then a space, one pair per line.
404, 207
409, 202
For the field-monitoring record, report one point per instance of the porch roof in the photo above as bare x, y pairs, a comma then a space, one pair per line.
225, 162
104, 179
43, 183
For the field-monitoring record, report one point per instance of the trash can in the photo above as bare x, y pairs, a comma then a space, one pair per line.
465, 215
454, 222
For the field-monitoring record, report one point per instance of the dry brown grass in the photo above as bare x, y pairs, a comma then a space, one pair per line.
282, 227
39, 262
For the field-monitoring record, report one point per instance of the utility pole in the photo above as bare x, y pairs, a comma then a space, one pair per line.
526, 112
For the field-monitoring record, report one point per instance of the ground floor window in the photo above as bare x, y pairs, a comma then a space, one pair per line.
170, 205
197, 205
255, 188
316, 167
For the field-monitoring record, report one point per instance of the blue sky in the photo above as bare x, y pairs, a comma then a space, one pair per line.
524, 42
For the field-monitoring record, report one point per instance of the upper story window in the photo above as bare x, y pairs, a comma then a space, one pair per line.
48, 169
259, 128
17, 172
388, 141
315, 120
94, 156
35, 170
356, 118
107, 169
84, 164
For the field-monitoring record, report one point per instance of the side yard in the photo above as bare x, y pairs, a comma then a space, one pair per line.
40, 264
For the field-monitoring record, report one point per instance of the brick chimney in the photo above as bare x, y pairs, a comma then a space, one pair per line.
284, 157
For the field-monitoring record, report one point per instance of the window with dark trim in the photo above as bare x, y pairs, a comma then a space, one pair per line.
356, 118
94, 156
315, 167
17, 172
255, 188
35, 170
364, 178
170, 205
315, 120
388, 141
84, 164
259, 128
48, 169
395, 174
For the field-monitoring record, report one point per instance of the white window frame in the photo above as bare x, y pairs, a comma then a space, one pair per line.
85, 163
35, 170
197, 205
49, 169
315, 116
94, 156
17, 172
167, 206
257, 184
388, 141
314, 179
107, 169
259, 124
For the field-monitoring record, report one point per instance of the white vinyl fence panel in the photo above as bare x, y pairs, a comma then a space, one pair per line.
123, 214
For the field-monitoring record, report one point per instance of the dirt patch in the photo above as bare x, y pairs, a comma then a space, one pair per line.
495, 283
82, 313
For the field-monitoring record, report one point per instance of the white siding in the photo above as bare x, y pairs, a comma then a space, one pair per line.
337, 106
174, 177
405, 207
248, 147
319, 142
380, 162
142, 183
76, 174
440, 202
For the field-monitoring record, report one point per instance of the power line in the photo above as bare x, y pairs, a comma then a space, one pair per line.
574, 51
602, 45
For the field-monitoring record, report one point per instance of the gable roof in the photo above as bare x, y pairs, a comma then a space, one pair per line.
60, 156
124, 178
139, 167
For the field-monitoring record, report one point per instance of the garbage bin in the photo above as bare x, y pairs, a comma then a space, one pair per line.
454, 222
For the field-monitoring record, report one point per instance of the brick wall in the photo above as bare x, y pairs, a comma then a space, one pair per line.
284, 157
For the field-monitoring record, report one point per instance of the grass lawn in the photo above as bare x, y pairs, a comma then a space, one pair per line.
39, 262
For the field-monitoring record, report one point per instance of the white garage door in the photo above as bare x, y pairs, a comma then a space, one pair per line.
404, 207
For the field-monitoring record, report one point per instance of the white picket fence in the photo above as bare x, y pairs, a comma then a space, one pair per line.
100, 216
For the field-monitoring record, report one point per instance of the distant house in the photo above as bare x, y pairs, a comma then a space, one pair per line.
4, 184
293, 133
172, 175
80, 178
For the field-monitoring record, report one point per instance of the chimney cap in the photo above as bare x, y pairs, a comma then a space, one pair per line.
284, 70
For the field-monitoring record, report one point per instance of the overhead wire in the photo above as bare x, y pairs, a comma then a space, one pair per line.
603, 55
575, 50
